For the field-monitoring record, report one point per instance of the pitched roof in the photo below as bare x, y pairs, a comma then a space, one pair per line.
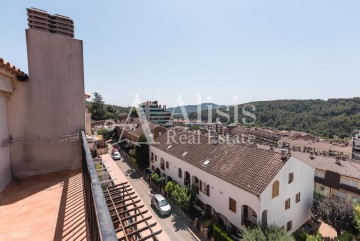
246, 167
347, 168
137, 129
7, 66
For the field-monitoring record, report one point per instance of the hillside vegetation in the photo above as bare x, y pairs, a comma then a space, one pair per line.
334, 118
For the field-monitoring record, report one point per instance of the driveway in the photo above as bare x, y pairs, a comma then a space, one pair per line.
175, 225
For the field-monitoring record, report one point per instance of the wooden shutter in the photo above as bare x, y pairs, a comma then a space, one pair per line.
208, 190
200, 185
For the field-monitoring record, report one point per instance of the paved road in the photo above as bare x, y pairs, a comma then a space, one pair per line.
174, 225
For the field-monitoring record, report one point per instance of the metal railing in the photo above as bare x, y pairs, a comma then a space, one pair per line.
100, 225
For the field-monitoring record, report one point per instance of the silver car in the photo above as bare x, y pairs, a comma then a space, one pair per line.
161, 204
116, 155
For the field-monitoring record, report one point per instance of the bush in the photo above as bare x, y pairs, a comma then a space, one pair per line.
221, 235
105, 133
155, 178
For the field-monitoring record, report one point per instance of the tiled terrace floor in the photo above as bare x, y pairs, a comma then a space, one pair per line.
47, 207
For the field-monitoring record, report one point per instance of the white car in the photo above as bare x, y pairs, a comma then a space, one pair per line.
161, 204
116, 155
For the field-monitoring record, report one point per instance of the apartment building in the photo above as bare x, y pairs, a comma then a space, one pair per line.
154, 113
239, 184
262, 136
334, 177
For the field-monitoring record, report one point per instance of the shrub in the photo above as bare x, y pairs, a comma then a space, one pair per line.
220, 234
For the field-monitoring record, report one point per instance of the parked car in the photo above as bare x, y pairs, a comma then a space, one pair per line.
161, 204
116, 155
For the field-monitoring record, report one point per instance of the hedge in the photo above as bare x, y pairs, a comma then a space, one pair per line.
220, 235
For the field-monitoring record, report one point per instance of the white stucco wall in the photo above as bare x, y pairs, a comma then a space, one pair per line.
303, 182
5, 165
221, 191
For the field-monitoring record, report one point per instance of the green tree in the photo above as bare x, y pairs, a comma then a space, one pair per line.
266, 233
134, 113
155, 178
169, 187
337, 213
105, 133
181, 196
142, 152
97, 108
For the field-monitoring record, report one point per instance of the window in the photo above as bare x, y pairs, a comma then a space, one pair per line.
205, 188
156, 158
287, 204
205, 163
291, 177
167, 165
289, 226
297, 198
232, 205
275, 189
162, 164
340, 194
320, 173
349, 182
254, 214
152, 157
180, 173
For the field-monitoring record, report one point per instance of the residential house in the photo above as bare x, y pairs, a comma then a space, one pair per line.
132, 128
334, 177
242, 185
56, 193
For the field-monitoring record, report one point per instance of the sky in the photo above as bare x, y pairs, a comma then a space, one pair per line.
228, 51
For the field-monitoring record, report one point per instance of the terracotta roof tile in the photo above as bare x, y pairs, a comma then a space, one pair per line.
249, 168
347, 168
13, 70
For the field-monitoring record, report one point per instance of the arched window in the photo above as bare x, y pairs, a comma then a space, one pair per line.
275, 189
180, 173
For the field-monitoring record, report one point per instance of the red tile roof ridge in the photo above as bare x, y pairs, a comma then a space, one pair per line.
13, 69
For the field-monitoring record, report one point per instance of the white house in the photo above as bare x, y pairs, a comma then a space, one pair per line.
9, 77
241, 184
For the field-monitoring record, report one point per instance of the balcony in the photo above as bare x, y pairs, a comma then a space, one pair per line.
75, 205
46, 207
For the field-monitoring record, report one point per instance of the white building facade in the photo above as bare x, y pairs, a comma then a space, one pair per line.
285, 201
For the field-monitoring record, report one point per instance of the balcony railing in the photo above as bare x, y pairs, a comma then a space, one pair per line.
101, 227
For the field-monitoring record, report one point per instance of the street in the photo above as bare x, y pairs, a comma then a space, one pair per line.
175, 225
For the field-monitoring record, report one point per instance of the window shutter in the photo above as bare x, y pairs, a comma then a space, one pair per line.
200, 185
208, 190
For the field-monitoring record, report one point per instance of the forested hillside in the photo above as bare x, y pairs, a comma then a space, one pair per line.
331, 118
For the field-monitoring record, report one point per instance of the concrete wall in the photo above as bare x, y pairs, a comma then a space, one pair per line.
50, 104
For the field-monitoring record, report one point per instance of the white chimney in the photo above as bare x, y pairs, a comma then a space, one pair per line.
338, 160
